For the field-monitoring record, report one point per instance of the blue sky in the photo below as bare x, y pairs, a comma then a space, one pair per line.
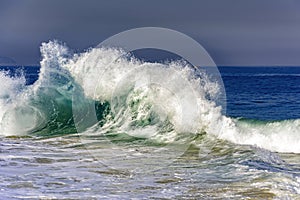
234, 32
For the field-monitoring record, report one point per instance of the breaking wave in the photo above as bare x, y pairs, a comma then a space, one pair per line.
167, 102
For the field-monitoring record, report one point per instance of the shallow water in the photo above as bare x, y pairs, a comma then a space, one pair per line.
62, 168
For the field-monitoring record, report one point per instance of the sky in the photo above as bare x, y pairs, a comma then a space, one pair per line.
234, 32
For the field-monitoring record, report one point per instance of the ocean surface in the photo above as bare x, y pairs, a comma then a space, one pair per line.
104, 125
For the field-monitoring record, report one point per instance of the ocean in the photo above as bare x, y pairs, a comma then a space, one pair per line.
104, 125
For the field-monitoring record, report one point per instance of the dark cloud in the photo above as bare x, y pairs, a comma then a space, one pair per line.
235, 32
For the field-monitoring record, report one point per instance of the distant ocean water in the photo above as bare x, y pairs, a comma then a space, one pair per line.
262, 93
132, 141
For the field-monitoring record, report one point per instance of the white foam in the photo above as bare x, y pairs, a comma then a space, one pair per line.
108, 68
11, 88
